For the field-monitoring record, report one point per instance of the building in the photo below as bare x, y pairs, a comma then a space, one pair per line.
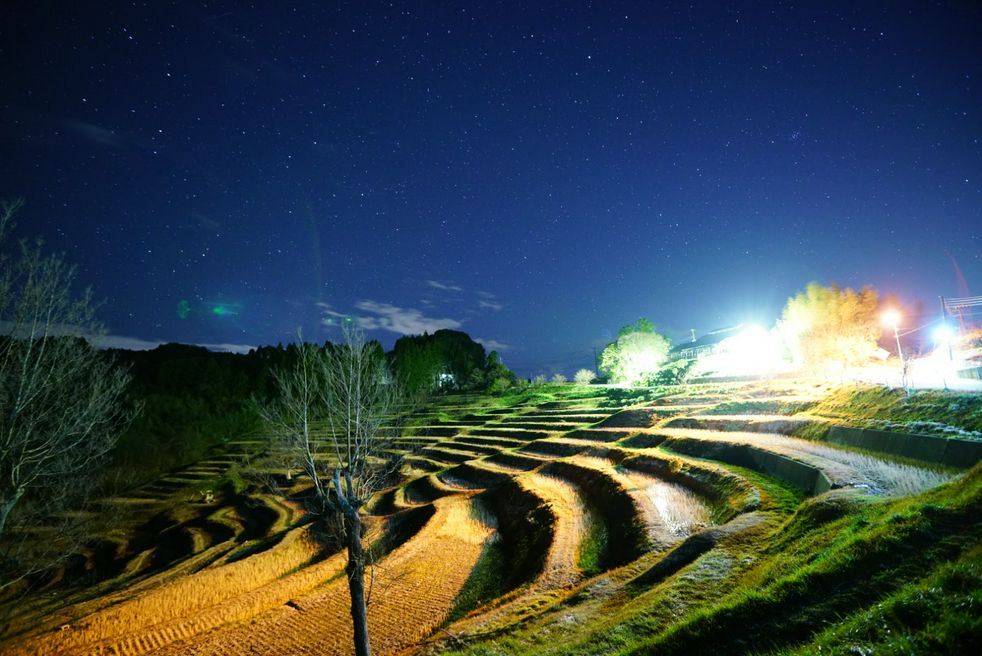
708, 344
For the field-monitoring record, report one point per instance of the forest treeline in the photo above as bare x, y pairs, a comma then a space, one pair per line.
191, 400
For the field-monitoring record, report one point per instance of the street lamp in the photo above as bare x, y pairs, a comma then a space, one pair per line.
892, 318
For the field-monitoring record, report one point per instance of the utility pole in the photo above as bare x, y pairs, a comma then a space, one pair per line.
903, 362
892, 318
944, 322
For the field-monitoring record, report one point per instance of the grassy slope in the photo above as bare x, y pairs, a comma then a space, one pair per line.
845, 574
840, 574
928, 411
847, 563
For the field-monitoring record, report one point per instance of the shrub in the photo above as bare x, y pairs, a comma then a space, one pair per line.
673, 373
584, 377
499, 384
559, 379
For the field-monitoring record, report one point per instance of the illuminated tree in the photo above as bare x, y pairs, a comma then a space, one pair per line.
824, 325
559, 379
636, 355
642, 325
584, 377
60, 401
347, 390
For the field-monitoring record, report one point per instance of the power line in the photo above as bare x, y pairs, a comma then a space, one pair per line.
959, 303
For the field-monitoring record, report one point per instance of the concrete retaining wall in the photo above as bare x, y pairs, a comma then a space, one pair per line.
806, 478
936, 450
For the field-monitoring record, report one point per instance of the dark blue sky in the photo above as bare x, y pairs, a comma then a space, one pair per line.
535, 174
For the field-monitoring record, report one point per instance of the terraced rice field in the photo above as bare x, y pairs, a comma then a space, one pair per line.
577, 497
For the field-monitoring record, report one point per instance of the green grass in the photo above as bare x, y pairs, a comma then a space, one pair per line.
617, 397
485, 583
937, 614
824, 566
761, 407
775, 494
928, 411
841, 573
593, 546
845, 574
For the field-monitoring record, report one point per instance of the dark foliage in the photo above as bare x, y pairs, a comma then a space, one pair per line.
193, 400
447, 359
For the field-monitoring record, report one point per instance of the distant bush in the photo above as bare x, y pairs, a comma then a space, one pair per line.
499, 376
584, 377
559, 379
539, 380
500, 384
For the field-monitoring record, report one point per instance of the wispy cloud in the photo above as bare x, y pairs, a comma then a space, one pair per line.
382, 316
444, 286
110, 341
492, 344
207, 223
95, 133
226, 347
127, 343
489, 301
138, 344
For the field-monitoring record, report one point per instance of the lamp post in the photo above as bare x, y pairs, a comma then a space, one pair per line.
892, 318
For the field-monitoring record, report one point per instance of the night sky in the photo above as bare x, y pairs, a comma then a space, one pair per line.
535, 174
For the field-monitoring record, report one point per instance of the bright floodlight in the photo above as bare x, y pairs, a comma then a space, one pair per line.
943, 334
752, 351
891, 318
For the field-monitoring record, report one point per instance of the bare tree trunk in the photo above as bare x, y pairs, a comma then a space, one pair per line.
5, 507
347, 391
356, 583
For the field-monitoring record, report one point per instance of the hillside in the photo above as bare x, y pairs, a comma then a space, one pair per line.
559, 520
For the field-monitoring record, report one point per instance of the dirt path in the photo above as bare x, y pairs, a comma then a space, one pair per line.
412, 592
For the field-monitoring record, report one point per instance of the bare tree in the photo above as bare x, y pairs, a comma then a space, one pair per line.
333, 414
60, 399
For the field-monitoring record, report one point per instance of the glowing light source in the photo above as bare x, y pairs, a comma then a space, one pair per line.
943, 334
891, 318
752, 351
